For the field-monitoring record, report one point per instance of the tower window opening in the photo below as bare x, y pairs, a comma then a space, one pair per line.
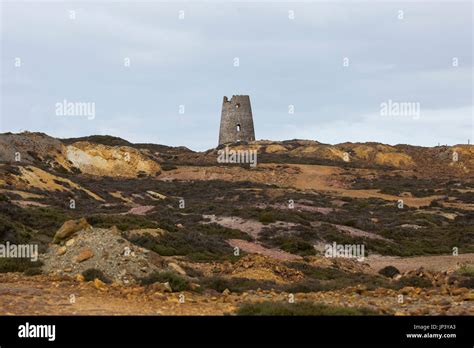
238, 127
237, 106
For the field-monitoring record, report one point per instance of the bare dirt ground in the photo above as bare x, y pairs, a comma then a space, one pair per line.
140, 210
40, 295
251, 227
439, 263
359, 233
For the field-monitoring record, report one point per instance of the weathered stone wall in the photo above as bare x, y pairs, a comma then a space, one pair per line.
236, 120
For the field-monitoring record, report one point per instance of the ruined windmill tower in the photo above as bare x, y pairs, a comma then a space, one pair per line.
236, 120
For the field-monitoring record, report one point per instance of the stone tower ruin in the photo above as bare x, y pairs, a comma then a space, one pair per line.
236, 120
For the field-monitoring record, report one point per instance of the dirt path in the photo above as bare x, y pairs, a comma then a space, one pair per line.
255, 248
437, 263
359, 233
249, 226
140, 210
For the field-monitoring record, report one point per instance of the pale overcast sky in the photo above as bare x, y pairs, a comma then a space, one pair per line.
283, 62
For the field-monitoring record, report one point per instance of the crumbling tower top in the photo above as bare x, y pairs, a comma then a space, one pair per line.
236, 120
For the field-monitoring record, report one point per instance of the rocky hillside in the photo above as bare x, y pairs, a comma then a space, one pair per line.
112, 156
146, 223
446, 161
88, 158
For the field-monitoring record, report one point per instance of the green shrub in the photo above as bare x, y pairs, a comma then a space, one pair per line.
329, 279
287, 242
466, 270
299, 309
220, 283
217, 283
194, 244
192, 272
4, 198
309, 285
467, 282
389, 271
321, 273
266, 217
176, 282
92, 273
17, 265
123, 222
239, 285
297, 246
417, 282
168, 166
33, 271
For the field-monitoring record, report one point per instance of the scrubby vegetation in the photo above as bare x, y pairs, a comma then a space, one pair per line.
20, 265
389, 271
238, 285
176, 282
397, 184
30, 225
299, 309
294, 245
327, 279
417, 282
91, 274
466, 270
266, 217
168, 166
465, 276
122, 222
411, 231
201, 243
